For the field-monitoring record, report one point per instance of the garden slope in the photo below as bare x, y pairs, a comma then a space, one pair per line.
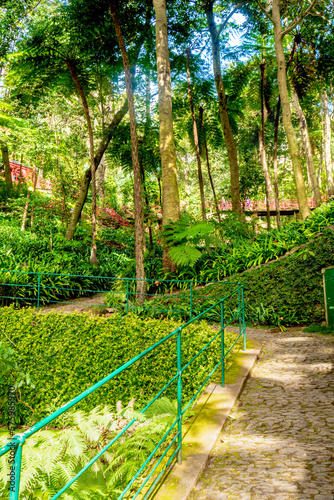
287, 291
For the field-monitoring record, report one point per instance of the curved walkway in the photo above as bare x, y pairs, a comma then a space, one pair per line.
278, 443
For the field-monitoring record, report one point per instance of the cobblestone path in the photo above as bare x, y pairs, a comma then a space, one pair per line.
279, 440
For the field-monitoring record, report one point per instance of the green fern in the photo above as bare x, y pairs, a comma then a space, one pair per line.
51, 458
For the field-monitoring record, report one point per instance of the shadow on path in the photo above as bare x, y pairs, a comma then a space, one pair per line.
279, 440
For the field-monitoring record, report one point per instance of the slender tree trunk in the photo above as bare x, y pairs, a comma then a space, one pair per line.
307, 147
138, 204
5, 160
100, 182
286, 112
34, 183
223, 112
81, 92
25, 212
104, 143
327, 144
206, 154
170, 190
196, 141
85, 182
61, 178
321, 161
278, 110
266, 173
278, 213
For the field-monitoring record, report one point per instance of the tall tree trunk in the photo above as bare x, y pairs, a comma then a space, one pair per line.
307, 147
85, 182
100, 182
34, 184
104, 143
61, 178
206, 154
198, 156
81, 92
138, 203
223, 113
170, 190
327, 144
25, 212
278, 213
262, 146
5, 160
304, 209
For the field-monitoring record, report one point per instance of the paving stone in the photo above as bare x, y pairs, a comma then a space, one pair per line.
279, 443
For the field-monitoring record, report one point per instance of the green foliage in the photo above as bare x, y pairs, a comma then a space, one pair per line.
285, 292
183, 235
52, 458
319, 329
241, 253
10, 372
66, 354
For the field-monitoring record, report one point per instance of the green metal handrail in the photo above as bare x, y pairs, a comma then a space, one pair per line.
39, 286
18, 440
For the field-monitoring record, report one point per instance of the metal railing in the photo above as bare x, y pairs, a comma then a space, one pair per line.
163, 461
40, 289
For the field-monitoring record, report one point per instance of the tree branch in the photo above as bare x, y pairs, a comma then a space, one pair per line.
298, 20
222, 26
264, 11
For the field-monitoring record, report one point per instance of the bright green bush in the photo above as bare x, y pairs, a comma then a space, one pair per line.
66, 354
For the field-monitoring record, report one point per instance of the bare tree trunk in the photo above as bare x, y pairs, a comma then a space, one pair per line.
198, 156
278, 213
5, 160
104, 143
206, 153
286, 112
25, 212
141, 286
81, 92
267, 179
307, 147
100, 182
170, 190
223, 112
88, 174
34, 182
278, 110
62, 183
327, 144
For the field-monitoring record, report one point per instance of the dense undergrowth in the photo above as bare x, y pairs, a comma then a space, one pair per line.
288, 291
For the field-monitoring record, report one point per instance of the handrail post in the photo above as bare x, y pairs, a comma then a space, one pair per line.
14, 488
179, 395
243, 316
38, 289
191, 301
127, 295
240, 307
222, 340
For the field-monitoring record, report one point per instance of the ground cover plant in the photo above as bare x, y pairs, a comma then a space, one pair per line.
65, 354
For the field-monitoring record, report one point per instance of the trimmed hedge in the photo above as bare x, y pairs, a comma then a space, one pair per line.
66, 354
288, 291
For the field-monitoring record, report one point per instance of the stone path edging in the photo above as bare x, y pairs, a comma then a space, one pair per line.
211, 413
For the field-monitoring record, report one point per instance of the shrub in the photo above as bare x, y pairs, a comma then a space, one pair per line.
66, 354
